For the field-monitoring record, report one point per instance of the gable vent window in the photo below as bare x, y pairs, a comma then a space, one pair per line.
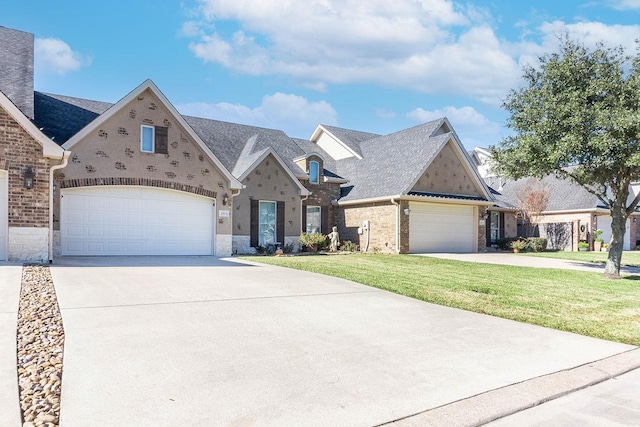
314, 172
154, 139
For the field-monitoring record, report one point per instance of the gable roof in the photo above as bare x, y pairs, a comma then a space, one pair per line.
564, 195
49, 148
149, 85
393, 163
61, 117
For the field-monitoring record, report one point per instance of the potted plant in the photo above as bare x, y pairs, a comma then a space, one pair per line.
583, 246
518, 245
312, 240
605, 247
597, 243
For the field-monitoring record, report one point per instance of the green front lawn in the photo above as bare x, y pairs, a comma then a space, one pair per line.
574, 301
631, 259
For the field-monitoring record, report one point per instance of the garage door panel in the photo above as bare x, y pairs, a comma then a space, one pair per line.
441, 228
135, 221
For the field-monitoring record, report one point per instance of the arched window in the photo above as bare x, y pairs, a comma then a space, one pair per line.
314, 172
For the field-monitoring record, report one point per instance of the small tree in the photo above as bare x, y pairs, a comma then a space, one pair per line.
531, 202
578, 118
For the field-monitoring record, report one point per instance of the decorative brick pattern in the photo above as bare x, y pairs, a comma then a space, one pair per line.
90, 182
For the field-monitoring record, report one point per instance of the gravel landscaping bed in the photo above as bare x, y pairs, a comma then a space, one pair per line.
40, 344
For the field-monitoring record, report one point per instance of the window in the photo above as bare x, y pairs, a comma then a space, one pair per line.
267, 225
313, 219
154, 139
147, 140
495, 226
314, 172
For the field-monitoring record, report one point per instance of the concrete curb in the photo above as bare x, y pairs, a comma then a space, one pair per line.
492, 405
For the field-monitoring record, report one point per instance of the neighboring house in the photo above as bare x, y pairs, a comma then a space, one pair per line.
571, 215
410, 191
27, 160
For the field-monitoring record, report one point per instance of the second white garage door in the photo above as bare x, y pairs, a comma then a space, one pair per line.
441, 228
120, 220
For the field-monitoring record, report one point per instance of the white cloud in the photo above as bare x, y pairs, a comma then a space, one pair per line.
438, 47
625, 4
590, 33
473, 128
406, 43
294, 114
55, 56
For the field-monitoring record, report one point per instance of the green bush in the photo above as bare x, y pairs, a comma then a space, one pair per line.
318, 240
505, 243
536, 244
349, 246
520, 245
583, 245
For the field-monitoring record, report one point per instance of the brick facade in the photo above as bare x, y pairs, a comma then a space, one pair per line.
382, 226
27, 209
322, 194
111, 155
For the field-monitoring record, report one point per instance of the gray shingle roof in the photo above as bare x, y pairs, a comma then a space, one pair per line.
564, 195
391, 163
16, 63
329, 166
229, 140
61, 117
352, 138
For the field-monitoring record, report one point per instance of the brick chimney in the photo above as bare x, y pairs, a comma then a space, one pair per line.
16, 68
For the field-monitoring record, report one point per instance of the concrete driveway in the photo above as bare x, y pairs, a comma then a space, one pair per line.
205, 341
10, 280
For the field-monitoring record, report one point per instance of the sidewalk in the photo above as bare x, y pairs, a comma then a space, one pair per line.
508, 258
10, 278
573, 388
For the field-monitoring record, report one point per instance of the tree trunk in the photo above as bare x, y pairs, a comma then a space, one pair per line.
618, 228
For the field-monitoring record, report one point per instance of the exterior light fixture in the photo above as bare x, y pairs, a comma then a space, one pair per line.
28, 178
407, 211
225, 199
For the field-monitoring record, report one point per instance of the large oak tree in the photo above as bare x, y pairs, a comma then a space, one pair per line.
578, 117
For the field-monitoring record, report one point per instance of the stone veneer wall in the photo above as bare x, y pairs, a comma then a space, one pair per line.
28, 210
382, 228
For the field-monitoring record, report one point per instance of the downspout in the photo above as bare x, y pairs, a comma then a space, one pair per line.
65, 160
393, 200
234, 193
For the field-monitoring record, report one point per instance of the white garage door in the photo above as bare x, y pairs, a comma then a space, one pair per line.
120, 220
4, 212
441, 228
604, 224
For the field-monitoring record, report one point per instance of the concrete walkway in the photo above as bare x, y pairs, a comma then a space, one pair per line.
10, 282
611, 403
508, 258
205, 341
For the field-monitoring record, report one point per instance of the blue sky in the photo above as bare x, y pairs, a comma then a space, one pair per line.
376, 66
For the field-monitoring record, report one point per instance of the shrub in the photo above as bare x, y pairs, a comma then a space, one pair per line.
597, 234
349, 246
505, 243
536, 244
583, 244
313, 239
520, 245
